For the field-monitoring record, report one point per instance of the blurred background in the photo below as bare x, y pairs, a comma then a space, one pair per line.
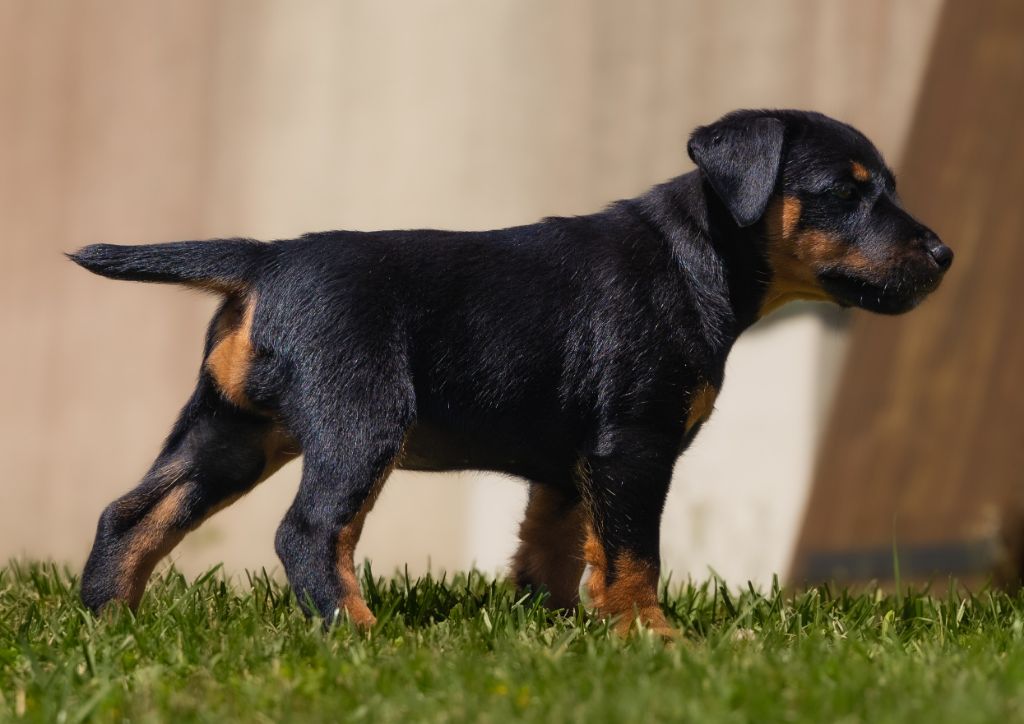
838, 435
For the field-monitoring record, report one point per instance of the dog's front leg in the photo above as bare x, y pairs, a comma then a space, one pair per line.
626, 487
550, 553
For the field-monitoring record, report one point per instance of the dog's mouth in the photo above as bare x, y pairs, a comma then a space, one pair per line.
892, 297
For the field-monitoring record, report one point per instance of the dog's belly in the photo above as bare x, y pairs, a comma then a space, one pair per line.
432, 449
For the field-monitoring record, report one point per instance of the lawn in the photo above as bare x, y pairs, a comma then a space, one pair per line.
467, 648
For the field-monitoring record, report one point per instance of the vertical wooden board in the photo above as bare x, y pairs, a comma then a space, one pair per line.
925, 447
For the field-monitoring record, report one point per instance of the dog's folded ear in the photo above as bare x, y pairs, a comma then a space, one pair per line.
740, 156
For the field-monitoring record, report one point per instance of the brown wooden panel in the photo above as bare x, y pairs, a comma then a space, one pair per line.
926, 442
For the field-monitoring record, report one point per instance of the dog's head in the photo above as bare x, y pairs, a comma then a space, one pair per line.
833, 227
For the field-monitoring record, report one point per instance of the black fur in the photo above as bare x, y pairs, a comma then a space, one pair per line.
225, 262
221, 455
740, 159
567, 352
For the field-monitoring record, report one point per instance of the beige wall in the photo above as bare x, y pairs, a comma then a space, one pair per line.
141, 121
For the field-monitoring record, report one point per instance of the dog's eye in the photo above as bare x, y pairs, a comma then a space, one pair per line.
844, 192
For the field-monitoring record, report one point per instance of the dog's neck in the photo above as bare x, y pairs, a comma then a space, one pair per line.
726, 264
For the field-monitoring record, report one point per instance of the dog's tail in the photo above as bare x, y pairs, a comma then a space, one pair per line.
228, 266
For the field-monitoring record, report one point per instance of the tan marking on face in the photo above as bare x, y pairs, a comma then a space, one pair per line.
860, 173
152, 538
551, 542
702, 403
789, 216
633, 594
352, 601
795, 254
230, 358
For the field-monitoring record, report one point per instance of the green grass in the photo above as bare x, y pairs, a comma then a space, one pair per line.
468, 649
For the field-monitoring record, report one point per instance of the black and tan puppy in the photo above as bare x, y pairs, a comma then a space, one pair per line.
581, 354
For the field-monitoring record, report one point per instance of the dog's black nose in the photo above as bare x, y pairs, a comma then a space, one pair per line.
940, 253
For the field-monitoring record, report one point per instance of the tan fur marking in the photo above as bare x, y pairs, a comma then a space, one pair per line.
550, 549
170, 473
860, 173
156, 534
793, 254
633, 594
153, 538
789, 215
352, 598
230, 358
701, 405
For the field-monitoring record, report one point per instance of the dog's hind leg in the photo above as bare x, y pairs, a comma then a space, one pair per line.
216, 453
352, 598
346, 461
550, 553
